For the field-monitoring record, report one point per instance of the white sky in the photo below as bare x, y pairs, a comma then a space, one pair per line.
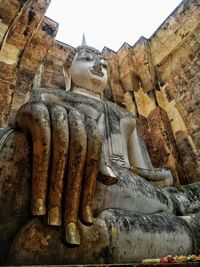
108, 23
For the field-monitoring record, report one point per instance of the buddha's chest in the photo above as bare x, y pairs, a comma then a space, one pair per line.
115, 129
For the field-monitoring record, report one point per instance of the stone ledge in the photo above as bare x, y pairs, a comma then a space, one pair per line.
185, 264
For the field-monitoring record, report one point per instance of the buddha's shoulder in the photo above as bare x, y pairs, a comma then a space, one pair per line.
122, 112
62, 95
78, 99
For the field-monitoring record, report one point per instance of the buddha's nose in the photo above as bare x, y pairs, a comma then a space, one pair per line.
97, 67
97, 63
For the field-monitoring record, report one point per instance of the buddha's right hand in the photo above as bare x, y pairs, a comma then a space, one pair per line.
66, 152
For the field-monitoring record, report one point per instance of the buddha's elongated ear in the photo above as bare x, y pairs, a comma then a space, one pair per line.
67, 77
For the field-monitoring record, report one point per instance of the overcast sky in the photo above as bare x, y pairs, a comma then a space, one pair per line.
108, 23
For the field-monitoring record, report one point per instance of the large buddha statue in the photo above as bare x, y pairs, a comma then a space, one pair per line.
92, 177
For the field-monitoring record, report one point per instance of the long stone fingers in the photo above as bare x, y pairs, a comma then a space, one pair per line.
59, 144
75, 169
91, 171
34, 119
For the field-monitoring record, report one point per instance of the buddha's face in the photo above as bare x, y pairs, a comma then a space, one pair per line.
89, 70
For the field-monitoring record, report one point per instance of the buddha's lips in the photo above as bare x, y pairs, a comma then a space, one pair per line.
96, 70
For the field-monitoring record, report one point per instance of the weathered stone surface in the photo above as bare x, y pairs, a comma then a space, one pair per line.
7, 82
41, 244
9, 9
21, 25
145, 102
188, 155
142, 57
37, 49
52, 72
129, 101
115, 92
164, 152
14, 186
170, 57
31, 58
174, 30
22, 29
128, 72
145, 132
5, 98
175, 53
38, 243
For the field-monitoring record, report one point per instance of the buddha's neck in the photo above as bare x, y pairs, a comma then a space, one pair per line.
83, 91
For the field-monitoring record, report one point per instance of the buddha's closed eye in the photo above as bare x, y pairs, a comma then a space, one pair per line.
86, 56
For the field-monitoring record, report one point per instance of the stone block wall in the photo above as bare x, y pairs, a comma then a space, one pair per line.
157, 78
162, 73
25, 37
175, 54
51, 72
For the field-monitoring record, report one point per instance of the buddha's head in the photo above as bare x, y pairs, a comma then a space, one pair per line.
86, 68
